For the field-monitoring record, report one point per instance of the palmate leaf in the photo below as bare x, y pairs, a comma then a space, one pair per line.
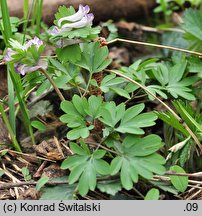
70, 53
93, 57
84, 167
112, 114
78, 132
156, 90
138, 157
79, 113
192, 22
130, 120
192, 25
172, 81
113, 83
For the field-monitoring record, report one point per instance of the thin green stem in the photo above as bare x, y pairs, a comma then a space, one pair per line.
164, 104
8, 126
53, 84
88, 84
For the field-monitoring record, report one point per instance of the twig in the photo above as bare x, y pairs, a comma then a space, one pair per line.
195, 182
160, 101
49, 183
192, 175
19, 184
198, 187
40, 170
13, 178
28, 155
103, 147
156, 45
138, 192
58, 146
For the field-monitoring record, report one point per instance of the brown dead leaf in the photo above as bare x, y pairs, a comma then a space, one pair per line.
30, 194
5, 194
51, 150
54, 171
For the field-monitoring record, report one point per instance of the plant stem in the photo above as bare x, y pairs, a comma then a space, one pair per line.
8, 126
164, 104
86, 90
156, 45
53, 84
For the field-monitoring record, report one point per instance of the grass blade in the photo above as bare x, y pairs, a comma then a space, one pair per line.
7, 33
14, 81
38, 19
13, 137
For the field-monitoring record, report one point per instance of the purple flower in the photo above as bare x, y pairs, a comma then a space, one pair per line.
8, 56
85, 21
36, 41
16, 47
78, 20
9, 52
23, 69
55, 30
83, 10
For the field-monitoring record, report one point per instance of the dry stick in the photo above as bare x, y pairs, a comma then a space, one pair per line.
58, 146
195, 182
156, 45
53, 84
52, 183
28, 155
160, 101
192, 175
19, 184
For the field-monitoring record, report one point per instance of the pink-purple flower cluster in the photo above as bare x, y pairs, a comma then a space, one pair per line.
80, 19
19, 67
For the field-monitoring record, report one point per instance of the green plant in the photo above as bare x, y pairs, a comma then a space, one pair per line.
110, 124
167, 7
